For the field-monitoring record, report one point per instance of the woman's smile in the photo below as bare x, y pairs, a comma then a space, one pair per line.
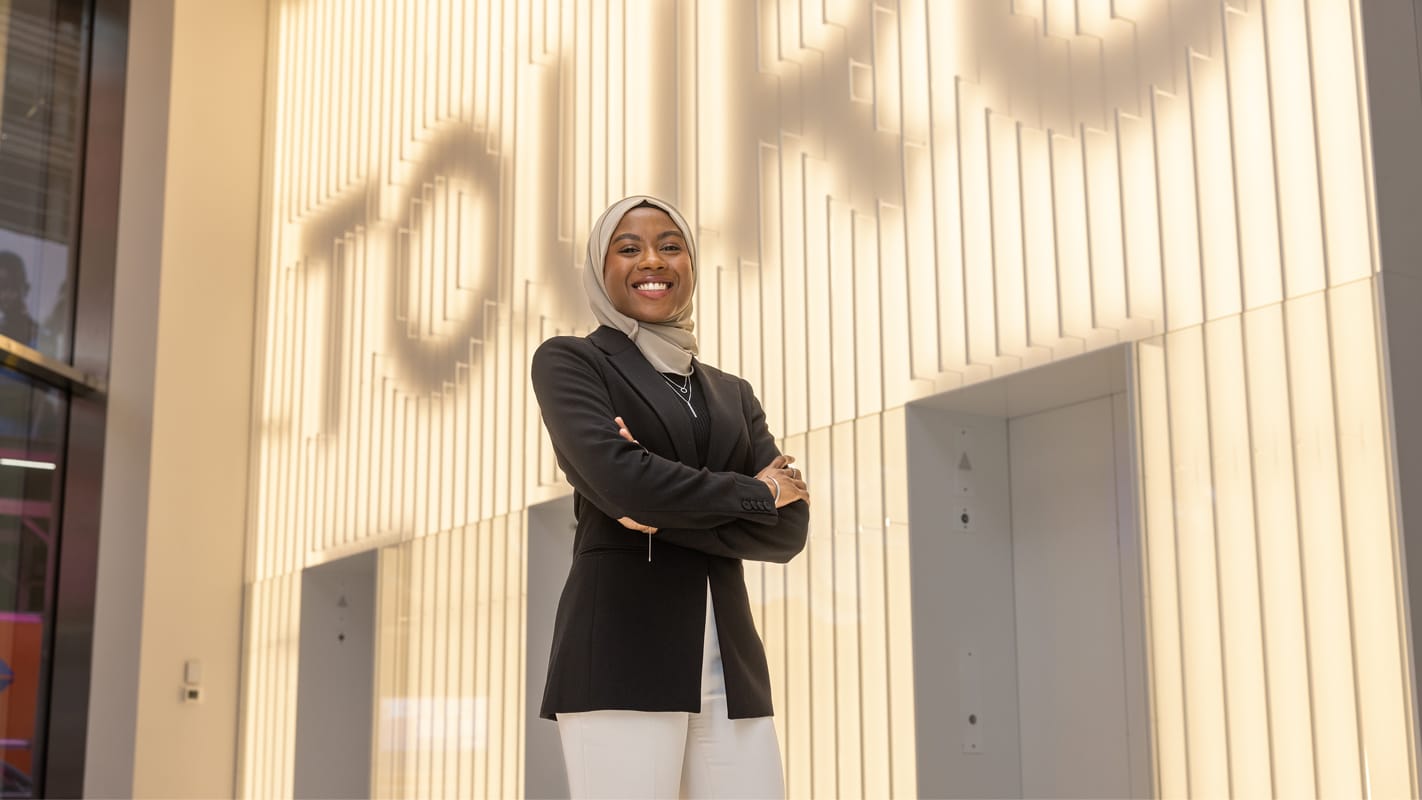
652, 288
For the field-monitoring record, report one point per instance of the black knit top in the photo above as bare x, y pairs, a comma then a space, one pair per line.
701, 420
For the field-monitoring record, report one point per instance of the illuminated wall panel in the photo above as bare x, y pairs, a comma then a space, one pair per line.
1241, 640
1281, 663
1385, 730
1277, 533
1196, 561
891, 199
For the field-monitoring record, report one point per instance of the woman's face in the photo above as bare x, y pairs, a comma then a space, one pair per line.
647, 270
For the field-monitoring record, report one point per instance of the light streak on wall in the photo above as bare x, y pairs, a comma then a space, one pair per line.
892, 199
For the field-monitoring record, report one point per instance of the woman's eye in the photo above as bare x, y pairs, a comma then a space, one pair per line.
628, 251
671, 248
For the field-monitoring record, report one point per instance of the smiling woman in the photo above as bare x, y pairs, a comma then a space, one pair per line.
657, 676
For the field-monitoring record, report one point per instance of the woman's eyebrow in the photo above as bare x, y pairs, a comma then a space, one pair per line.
629, 235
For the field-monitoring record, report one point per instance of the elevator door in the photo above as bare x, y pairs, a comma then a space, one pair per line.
336, 678
1071, 567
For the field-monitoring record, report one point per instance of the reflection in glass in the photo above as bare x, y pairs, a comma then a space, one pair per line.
31, 440
41, 96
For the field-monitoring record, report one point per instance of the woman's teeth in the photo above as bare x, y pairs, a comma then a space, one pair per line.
653, 287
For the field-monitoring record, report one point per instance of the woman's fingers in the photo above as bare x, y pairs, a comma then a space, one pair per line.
791, 482
776, 463
633, 525
774, 467
801, 489
622, 430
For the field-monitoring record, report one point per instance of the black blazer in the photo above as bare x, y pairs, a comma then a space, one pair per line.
629, 627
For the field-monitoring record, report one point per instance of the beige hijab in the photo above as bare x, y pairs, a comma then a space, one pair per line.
669, 345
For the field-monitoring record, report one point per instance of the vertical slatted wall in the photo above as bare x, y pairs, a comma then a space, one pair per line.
892, 199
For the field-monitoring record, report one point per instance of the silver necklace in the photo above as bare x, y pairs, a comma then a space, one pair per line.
683, 392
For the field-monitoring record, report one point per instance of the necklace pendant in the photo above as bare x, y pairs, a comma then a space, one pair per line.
683, 393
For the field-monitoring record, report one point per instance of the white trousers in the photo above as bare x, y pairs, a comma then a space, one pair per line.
666, 754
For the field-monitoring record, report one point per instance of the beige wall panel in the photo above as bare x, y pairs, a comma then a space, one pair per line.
174, 525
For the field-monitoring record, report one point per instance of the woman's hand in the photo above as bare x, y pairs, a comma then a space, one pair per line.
790, 480
633, 525
627, 522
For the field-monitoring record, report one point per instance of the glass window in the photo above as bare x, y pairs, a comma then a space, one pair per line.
41, 100
42, 95
32, 422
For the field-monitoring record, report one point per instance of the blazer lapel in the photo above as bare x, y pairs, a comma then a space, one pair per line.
651, 386
723, 398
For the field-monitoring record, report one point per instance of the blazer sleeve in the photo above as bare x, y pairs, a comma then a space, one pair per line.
779, 542
621, 478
